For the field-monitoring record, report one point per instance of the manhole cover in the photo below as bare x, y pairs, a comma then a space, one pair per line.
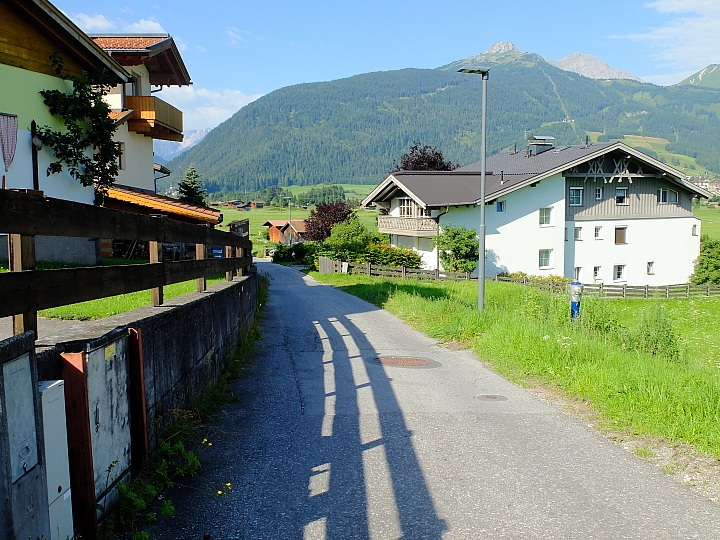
491, 397
401, 361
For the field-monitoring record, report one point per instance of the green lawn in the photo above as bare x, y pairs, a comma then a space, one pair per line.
647, 367
710, 217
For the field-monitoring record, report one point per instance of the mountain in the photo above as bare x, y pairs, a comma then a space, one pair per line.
592, 67
708, 77
167, 150
583, 64
351, 130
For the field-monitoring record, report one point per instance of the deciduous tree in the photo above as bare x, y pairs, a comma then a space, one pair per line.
319, 223
458, 248
423, 158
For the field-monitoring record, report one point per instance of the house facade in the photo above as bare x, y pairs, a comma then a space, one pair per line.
153, 61
600, 213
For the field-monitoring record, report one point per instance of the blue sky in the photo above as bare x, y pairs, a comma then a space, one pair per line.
237, 51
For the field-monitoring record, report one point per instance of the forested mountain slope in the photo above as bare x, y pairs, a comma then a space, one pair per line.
351, 130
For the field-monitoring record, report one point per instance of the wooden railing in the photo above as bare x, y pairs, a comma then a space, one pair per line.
154, 117
400, 225
24, 291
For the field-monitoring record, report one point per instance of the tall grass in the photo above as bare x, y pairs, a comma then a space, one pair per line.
642, 364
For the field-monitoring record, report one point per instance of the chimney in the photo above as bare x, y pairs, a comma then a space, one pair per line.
539, 144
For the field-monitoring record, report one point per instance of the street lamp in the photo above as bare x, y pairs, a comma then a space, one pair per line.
289, 200
483, 144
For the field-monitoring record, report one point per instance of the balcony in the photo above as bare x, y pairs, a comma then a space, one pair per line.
154, 118
407, 226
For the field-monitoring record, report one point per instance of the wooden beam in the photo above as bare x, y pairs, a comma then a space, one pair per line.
200, 256
21, 257
44, 289
156, 293
34, 215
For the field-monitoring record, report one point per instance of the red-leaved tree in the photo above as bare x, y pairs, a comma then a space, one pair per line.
320, 222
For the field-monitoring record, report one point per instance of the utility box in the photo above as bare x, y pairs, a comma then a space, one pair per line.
52, 399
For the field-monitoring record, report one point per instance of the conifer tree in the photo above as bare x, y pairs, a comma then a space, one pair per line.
191, 188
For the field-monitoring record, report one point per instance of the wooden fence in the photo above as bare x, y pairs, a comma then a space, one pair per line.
25, 214
600, 290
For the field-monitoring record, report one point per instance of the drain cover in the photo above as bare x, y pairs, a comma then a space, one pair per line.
491, 397
401, 361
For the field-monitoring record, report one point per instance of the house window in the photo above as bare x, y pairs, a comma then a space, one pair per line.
545, 258
667, 196
406, 207
576, 196
577, 233
598, 194
694, 230
423, 212
651, 268
621, 235
619, 272
121, 159
597, 273
578, 273
621, 195
546, 216
598, 233
500, 207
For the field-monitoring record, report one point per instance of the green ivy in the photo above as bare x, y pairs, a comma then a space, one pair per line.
86, 147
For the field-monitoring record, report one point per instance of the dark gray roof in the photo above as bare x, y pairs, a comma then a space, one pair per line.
518, 163
505, 173
447, 189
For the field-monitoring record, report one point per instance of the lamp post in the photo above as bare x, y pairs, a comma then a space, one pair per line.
483, 144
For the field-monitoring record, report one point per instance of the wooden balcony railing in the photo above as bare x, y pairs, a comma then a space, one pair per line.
421, 226
155, 118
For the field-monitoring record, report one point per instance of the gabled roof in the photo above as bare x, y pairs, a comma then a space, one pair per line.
161, 204
52, 22
505, 173
157, 52
277, 223
297, 224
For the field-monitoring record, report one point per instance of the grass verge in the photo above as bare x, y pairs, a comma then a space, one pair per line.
647, 367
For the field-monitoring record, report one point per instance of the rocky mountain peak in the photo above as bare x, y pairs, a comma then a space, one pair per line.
502, 47
591, 67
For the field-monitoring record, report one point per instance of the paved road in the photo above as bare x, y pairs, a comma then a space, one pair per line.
326, 443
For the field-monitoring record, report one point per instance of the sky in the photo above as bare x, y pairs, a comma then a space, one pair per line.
238, 50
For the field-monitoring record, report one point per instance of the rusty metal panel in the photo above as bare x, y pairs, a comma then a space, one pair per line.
107, 379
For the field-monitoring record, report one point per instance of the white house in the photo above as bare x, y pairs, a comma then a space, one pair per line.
603, 213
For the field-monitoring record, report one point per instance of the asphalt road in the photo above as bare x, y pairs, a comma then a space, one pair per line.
327, 443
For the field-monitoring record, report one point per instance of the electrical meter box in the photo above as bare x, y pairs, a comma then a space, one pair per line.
52, 399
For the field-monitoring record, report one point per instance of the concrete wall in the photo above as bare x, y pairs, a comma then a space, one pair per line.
61, 249
185, 344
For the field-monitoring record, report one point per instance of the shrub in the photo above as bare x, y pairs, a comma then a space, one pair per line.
300, 253
458, 248
349, 235
707, 265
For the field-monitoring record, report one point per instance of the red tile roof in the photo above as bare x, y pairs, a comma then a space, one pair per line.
130, 42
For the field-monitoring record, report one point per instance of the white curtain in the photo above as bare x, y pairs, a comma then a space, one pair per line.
8, 138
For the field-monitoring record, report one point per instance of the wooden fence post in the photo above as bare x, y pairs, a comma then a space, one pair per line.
21, 256
228, 253
646, 292
403, 271
667, 291
624, 290
708, 289
687, 291
368, 269
156, 257
199, 256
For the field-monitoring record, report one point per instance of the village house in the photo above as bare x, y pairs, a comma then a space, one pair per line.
598, 213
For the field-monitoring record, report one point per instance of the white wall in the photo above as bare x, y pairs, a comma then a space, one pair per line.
138, 159
668, 242
514, 238
423, 246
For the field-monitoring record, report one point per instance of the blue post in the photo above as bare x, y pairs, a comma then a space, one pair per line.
575, 289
